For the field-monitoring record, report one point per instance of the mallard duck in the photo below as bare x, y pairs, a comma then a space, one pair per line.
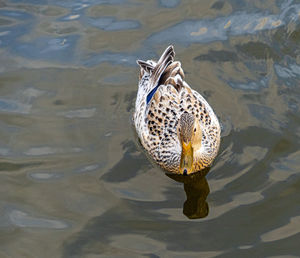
174, 123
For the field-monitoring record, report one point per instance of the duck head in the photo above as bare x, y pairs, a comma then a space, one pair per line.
190, 136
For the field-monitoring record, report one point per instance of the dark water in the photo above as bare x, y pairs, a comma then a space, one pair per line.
74, 182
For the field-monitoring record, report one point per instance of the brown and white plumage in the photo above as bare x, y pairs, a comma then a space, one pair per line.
175, 124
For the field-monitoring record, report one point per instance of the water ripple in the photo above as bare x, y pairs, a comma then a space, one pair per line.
290, 229
16, 14
239, 23
285, 167
55, 49
68, 64
246, 198
217, 211
251, 85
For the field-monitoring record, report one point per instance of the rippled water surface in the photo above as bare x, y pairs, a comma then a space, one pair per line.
73, 180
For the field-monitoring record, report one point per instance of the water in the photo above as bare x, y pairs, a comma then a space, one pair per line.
73, 180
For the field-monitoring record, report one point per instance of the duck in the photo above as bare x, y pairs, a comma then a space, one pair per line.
174, 123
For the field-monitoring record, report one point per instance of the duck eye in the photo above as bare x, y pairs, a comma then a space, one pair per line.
194, 129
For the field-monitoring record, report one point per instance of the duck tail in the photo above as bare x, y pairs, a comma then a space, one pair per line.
164, 61
173, 75
157, 71
168, 72
145, 67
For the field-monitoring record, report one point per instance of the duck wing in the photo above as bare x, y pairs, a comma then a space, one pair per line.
163, 111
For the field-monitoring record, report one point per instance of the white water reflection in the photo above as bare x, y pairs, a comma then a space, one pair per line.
79, 113
8, 105
243, 247
290, 71
251, 85
112, 24
22, 101
71, 17
43, 176
169, 3
88, 168
23, 219
47, 150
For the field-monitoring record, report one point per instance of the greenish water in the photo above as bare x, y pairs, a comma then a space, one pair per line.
73, 180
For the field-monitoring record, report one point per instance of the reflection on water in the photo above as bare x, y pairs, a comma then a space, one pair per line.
72, 181
196, 189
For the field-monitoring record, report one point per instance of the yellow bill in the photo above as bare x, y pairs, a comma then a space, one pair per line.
186, 161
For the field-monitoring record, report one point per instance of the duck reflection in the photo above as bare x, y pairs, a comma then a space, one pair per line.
196, 189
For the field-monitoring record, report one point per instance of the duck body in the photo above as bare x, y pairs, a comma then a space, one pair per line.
174, 123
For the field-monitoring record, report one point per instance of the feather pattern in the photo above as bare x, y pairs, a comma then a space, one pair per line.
163, 96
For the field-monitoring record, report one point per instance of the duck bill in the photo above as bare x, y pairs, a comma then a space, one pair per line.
186, 161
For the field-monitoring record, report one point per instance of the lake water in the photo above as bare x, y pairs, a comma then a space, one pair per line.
73, 180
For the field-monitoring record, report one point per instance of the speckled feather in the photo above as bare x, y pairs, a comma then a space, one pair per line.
157, 121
